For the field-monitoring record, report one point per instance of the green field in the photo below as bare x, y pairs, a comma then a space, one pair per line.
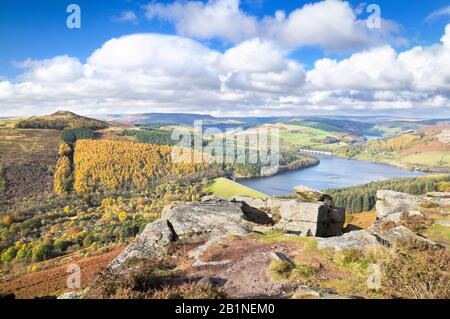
225, 188
308, 136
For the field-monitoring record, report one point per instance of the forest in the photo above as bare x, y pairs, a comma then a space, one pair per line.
362, 198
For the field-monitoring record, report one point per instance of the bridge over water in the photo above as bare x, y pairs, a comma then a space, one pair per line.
314, 152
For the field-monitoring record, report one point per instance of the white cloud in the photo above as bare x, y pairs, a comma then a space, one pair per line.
418, 69
126, 16
166, 73
254, 55
215, 19
58, 69
330, 24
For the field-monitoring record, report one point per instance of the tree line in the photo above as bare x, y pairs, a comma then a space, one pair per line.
363, 197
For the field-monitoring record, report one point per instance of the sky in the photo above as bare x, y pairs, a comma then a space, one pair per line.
226, 57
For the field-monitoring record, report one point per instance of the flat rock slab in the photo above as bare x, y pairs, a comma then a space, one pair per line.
394, 202
198, 218
361, 239
358, 239
400, 233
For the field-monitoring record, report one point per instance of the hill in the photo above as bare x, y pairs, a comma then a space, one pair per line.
61, 120
427, 149
303, 135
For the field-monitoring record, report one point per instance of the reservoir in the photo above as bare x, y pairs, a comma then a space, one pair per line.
332, 172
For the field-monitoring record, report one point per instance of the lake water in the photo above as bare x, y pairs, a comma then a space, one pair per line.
332, 172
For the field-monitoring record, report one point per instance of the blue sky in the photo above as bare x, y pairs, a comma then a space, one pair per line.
36, 31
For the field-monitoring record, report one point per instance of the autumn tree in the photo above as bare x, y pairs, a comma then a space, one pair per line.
63, 175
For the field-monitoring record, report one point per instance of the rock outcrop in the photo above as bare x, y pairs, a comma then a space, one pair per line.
152, 243
389, 237
306, 194
196, 218
361, 239
310, 214
358, 239
389, 202
311, 219
212, 219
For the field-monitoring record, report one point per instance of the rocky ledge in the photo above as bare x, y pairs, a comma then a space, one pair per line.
310, 214
214, 218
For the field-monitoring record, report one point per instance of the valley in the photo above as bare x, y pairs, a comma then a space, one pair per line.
78, 188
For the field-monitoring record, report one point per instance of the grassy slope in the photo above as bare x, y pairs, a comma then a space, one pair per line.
16, 143
410, 151
302, 136
226, 188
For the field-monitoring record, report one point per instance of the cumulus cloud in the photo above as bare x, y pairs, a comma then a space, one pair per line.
381, 68
170, 73
58, 69
214, 19
330, 24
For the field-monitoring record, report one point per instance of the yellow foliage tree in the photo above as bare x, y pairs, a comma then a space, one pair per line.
64, 149
62, 177
115, 165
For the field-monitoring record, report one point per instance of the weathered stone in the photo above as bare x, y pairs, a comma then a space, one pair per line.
310, 219
361, 239
252, 202
307, 194
393, 202
305, 292
274, 204
152, 243
294, 210
301, 228
396, 217
358, 239
202, 218
389, 237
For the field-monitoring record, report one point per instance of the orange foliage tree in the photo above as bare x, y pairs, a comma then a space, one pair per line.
114, 165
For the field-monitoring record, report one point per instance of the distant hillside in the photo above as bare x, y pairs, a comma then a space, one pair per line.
151, 118
61, 120
334, 125
427, 149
